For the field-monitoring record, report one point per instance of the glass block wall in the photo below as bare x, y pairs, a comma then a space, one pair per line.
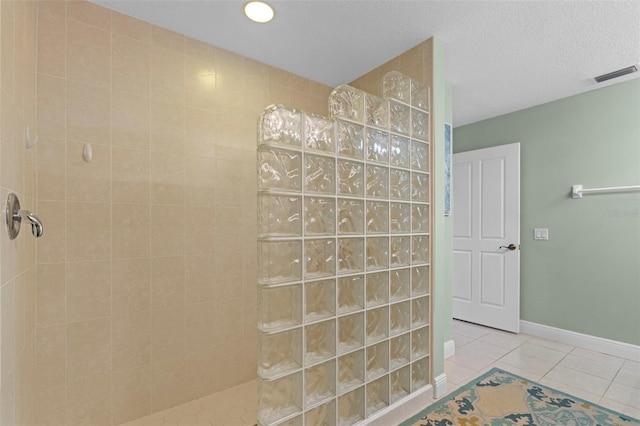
343, 255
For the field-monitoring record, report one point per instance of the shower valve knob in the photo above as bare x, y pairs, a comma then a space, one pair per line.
14, 216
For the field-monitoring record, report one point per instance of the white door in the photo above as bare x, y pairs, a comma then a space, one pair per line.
486, 236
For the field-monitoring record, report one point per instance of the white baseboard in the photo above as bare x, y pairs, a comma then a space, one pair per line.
401, 410
449, 349
585, 341
440, 386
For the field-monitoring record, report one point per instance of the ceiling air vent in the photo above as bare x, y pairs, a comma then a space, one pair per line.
616, 74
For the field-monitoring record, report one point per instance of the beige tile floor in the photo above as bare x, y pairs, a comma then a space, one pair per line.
604, 379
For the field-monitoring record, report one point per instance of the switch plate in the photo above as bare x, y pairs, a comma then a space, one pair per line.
541, 234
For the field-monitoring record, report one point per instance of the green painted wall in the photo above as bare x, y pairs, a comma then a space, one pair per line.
442, 233
586, 278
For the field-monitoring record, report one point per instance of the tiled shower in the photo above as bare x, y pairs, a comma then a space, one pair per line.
137, 310
116, 312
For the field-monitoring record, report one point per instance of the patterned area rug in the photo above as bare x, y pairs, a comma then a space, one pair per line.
499, 398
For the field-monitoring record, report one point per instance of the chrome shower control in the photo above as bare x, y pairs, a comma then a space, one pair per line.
14, 216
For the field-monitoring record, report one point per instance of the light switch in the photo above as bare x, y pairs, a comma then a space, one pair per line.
541, 234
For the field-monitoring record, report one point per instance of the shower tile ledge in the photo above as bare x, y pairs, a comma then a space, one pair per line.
236, 406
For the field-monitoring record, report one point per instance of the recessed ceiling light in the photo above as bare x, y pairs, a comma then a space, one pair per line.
258, 11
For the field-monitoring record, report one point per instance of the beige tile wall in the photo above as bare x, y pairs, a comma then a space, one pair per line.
416, 62
17, 174
146, 291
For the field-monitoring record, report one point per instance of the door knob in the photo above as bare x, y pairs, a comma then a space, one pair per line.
510, 247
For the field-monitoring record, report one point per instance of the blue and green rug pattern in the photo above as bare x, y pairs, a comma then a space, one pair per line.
500, 398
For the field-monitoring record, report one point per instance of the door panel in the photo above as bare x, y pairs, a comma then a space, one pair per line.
462, 196
462, 277
492, 198
492, 280
486, 216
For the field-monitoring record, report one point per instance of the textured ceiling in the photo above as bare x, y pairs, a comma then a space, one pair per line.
501, 56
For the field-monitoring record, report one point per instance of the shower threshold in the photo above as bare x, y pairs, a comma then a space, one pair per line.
236, 406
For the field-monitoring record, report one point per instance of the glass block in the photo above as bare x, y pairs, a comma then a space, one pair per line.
279, 261
377, 289
320, 382
419, 187
419, 95
377, 395
420, 343
350, 294
279, 215
400, 153
399, 284
279, 353
296, 421
320, 300
377, 327
351, 407
376, 111
350, 255
320, 173
377, 217
399, 118
377, 360
420, 218
279, 307
319, 133
319, 216
420, 249
397, 86
322, 415
400, 218
347, 102
320, 342
350, 139
419, 374
350, 370
399, 184
377, 145
377, 253
400, 250
377, 181
350, 216
419, 156
419, 125
280, 125
399, 351
279, 169
399, 384
400, 319
350, 332
350, 178
320, 258
279, 398
420, 312
420, 280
